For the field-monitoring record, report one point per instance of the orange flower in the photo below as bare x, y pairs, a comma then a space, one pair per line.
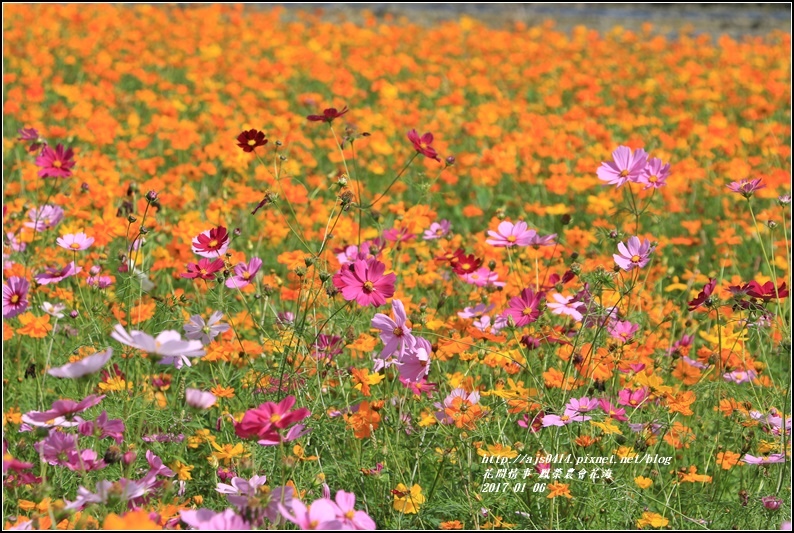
452, 524
652, 519
559, 489
692, 476
33, 326
363, 421
130, 521
728, 459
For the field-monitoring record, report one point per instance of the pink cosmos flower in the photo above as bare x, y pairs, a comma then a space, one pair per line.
618, 413
414, 364
243, 274
54, 274
199, 399
320, 515
364, 282
204, 269
103, 427
556, 420
44, 217
765, 459
567, 306
476, 311
60, 412
622, 330
634, 398
266, 420
740, 376
168, 345
524, 308
83, 367
240, 489
347, 514
205, 332
15, 296
634, 254
655, 174
746, 187
509, 234
156, 465
56, 163
210, 520
76, 242
624, 166
55, 448
537, 241
396, 336
482, 277
437, 230
352, 253
84, 461
422, 144
31, 135
211, 243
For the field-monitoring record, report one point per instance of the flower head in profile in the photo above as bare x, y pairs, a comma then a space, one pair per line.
633, 254
32, 136
365, 282
76, 242
56, 163
422, 144
321, 514
199, 399
509, 234
746, 187
15, 296
211, 243
328, 115
55, 274
625, 166
61, 411
197, 329
704, 297
266, 421
207, 519
563, 305
250, 140
83, 367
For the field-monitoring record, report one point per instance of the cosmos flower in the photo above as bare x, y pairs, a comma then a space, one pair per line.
168, 345
396, 336
54, 274
76, 242
207, 519
204, 269
437, 230
15, 296
83, 367
364, 282
197, 329
422, 144
625, 166
509, 234
56, 163
746, 187
211, 243
633, 254
199, 399
524, 308
44, 217
328, 115
655, 174
250, 140
243, 274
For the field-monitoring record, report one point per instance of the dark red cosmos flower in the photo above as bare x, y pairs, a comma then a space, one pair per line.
204, 269
704, 295
328, 115
766, 291
466, 264
422, 144
211, 241
249, 140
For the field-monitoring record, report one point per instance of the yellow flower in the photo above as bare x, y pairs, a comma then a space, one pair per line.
652, 519
227, 452
498, 450
299, 452
643, 482
182, 470
408, 502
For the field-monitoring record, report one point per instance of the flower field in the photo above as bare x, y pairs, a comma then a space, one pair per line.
279, 272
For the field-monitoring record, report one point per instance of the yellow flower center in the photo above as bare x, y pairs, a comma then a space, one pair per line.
369, 287
635, 258
275, 417
527, 311
653, 179
398, 331
251, 142
74, 246
57, 164
213, 243
203, 271
624, 173
246, 275
511, 238
565, 418
14, 298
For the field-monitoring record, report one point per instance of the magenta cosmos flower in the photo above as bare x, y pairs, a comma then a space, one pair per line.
44, 217
396, 336
15, 296
54, 274
524, 308
509, 234
243, 274
320, 515
211, 243
422, 144
704, 296
633, 254
204, 269
168, 345
746, 187
76, 242
364, 282
83, 367
56, 163
624, 166
264, 421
